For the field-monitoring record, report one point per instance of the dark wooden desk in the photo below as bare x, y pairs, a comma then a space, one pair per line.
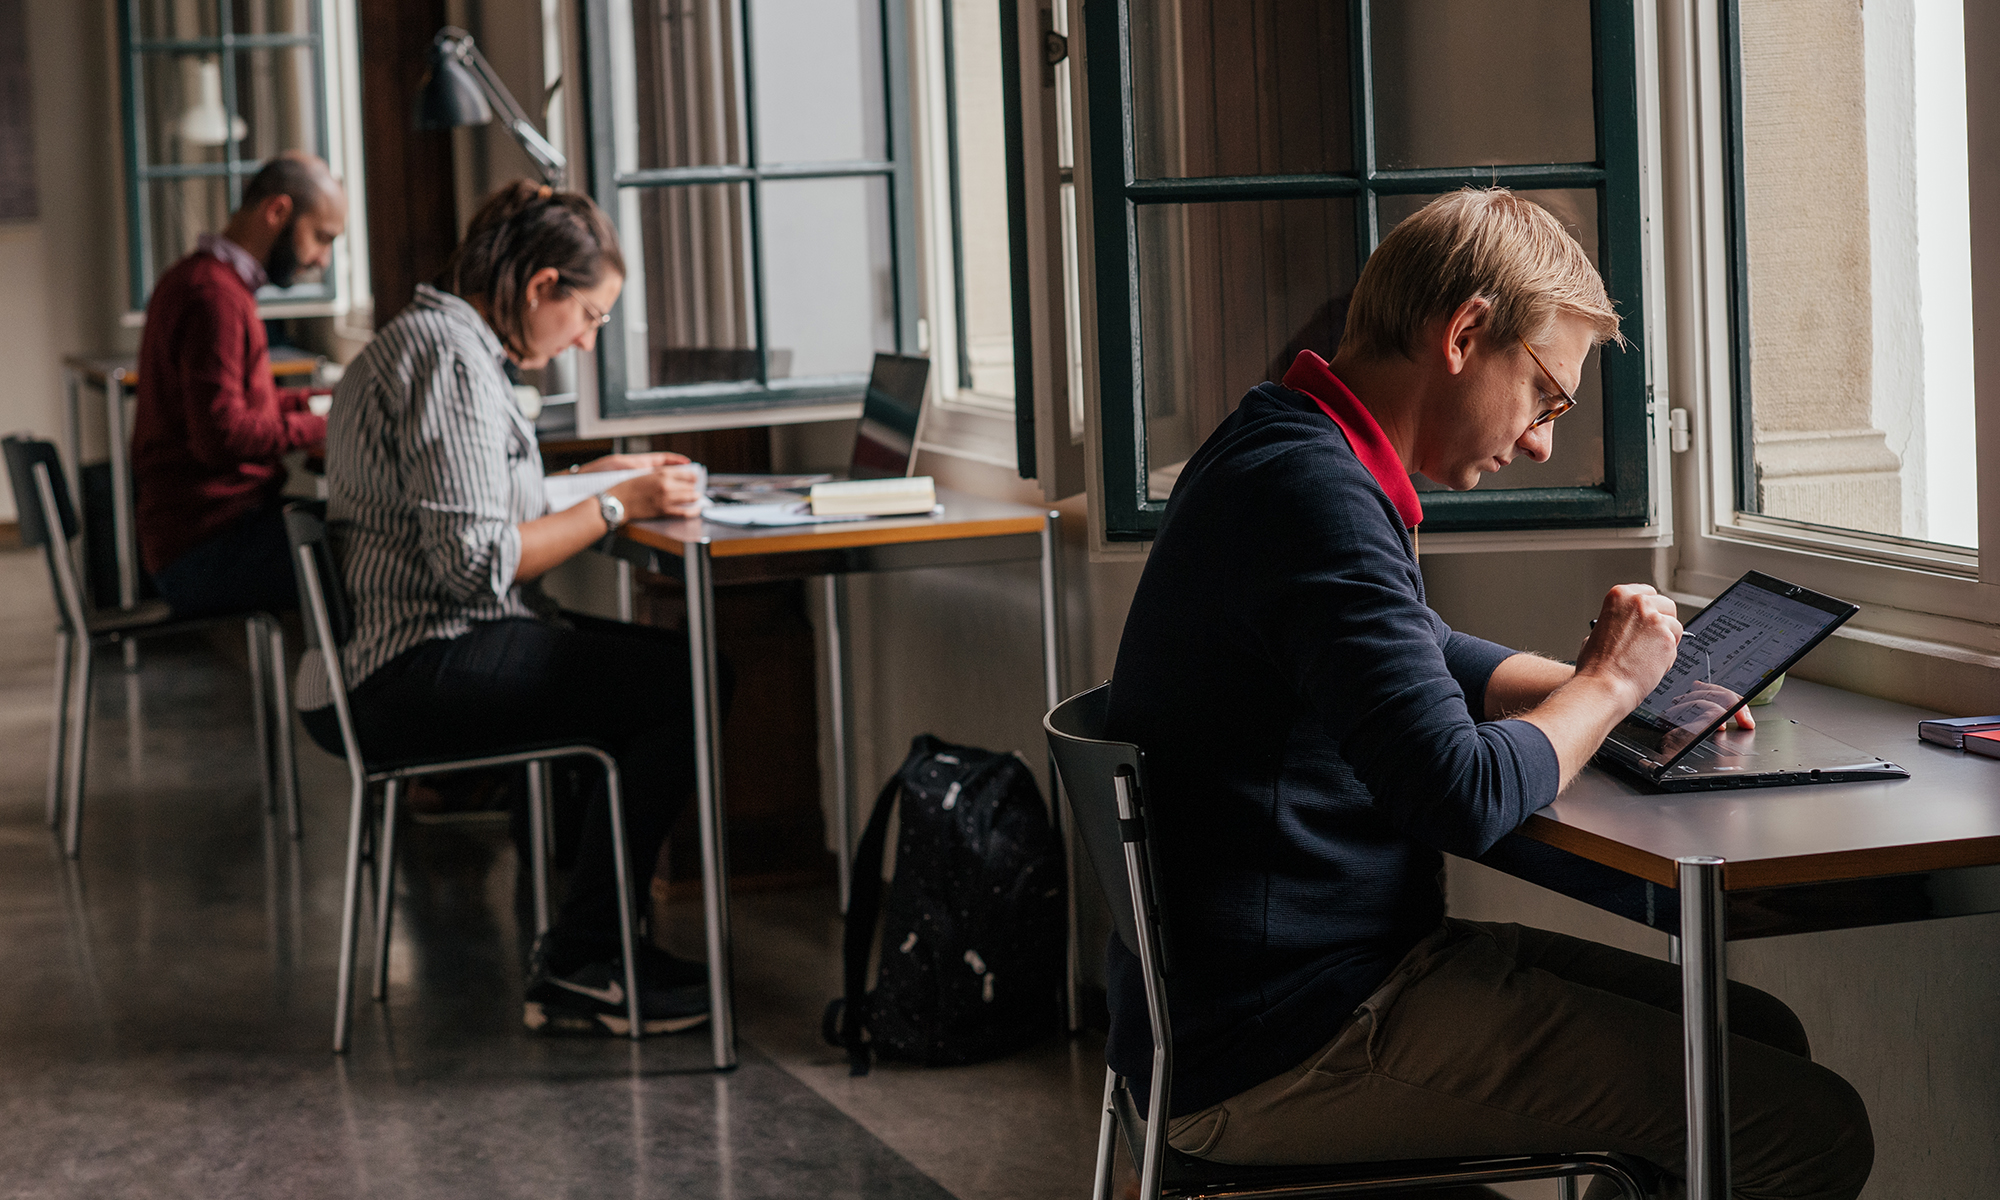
1758, 862
705, 554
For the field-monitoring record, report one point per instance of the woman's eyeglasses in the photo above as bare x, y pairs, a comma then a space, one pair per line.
600, 319
1562, 406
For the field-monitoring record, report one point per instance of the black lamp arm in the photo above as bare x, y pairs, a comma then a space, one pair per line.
551, 161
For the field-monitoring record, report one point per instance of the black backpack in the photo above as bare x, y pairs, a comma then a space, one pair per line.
972, 947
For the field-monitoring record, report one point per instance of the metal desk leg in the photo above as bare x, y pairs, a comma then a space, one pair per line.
1705, 1027
834, 596
624, 591
700, 588
1052, 695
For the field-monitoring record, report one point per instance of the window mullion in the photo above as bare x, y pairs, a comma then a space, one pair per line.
1361, 82
755, 194
225, 24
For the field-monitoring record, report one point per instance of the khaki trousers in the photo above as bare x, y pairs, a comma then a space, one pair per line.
1495, 1039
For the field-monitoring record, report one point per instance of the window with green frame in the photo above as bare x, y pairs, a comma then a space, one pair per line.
211, 89
756, 157
1248, 155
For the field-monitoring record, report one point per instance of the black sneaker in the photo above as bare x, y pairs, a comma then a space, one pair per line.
591, 1001
659, 968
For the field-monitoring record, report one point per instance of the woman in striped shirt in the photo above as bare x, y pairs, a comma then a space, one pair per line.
438, 512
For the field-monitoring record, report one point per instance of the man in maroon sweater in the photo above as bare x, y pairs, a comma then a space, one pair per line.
212, 429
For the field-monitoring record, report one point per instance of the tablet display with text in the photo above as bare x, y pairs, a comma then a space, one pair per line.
1750, 635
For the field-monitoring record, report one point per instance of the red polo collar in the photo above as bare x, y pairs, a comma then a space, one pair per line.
1310, 374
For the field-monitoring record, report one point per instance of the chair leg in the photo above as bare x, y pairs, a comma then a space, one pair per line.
260, 713
385, 876
59, 727
350, 914
626, 940
1107, 1140
281, 715
1566, 1188
538, 841
79, 741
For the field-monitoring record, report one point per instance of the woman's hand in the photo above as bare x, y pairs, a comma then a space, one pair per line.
634, 462
673, 490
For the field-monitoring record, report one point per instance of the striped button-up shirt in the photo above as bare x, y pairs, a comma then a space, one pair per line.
430, 469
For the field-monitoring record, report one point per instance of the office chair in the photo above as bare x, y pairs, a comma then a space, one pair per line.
330, 626
48, 520
1106, 785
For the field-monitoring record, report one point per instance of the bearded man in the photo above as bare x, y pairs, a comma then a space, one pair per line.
212, 429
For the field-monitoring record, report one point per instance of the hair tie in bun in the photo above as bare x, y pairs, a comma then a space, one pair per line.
545, 192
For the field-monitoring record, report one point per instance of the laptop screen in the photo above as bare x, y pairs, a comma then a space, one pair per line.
1753, 631
886, 440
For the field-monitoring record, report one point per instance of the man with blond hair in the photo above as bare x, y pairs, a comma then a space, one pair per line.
1319, 739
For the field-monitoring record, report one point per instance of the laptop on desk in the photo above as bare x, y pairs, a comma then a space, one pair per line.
1749, 636
885, 440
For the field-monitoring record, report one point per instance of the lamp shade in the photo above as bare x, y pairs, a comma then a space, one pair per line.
451, 95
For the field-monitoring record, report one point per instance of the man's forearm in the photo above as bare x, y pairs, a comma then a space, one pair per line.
1521, 682
1577, 717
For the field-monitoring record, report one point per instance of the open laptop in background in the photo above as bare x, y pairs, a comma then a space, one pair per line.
1751, 634
885, 440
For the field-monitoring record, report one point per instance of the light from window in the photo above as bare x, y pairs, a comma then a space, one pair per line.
1853, 291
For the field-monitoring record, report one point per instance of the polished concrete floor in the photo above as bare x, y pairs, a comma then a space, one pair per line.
165, 1019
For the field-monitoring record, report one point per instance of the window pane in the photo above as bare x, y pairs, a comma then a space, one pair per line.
1578, 457
272, 16
1228, 296
986, 284
819, 80
277, 95
1471, 82
184, 114
1240, 87
163, 20
830, 300
695, 285
181, 211
687, 56
1859, 295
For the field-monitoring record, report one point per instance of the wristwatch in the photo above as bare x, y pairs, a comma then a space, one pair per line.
612, 509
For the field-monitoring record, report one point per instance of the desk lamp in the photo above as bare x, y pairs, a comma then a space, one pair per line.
461, 88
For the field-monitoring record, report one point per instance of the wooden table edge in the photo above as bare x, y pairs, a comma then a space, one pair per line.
840, 537
1830, 867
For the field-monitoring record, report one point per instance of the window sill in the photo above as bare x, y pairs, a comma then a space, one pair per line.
1645, 537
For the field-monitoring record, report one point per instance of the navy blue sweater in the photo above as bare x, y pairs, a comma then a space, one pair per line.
1312, 741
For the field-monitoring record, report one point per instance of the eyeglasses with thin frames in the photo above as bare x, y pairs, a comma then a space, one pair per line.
1568, 401
599, 320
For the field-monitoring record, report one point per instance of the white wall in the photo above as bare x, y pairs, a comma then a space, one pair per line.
60, 289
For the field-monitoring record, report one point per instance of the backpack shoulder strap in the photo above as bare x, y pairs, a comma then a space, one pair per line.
864, 904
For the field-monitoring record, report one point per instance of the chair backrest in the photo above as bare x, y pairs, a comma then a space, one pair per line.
22, 455
1105, 781
1089, 766
305, 529
43, 507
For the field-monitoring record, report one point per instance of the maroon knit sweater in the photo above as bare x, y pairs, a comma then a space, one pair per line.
211, 427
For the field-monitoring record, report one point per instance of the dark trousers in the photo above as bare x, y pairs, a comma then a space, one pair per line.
245, 568
624, 688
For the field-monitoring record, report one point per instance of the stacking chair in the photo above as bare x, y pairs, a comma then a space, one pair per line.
1106, 785
330, 626
48, 520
